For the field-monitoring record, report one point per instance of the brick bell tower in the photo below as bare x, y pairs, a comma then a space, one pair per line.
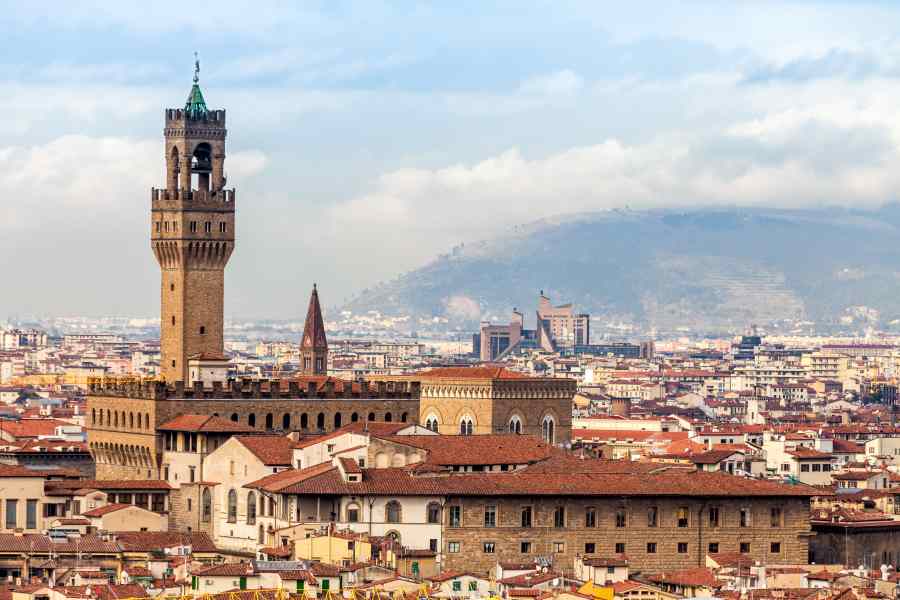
192, 235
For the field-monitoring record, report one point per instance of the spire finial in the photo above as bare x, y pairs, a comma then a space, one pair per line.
196, 68
314, 286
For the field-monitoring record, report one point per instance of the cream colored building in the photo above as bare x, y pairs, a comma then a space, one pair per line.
125, 517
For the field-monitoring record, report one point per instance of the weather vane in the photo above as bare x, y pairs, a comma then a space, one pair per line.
196, 68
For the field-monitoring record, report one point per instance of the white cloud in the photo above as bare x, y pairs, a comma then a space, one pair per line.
836, 153
75, 176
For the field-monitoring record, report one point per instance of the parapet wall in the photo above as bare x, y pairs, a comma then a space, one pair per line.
252, 388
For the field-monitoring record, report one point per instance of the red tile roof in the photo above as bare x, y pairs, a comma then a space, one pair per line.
109, 484
350, 466
487, 372
272, 450
226, 570
31, 428
489, 449
696, 577
401, 482
204, 424
105, 510
20, 471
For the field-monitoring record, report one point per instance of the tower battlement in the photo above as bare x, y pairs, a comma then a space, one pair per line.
163, 199
180, 117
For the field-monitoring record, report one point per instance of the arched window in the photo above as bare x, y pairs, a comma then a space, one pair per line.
404, 417
388, 417
251, 420
354, 418
262, 534
392, 512
139, 421
320, 421
117, 419
94, 416
206, 509
234, 417
251, 508
515, 424
337, 420
270, 421
304, 421
146, 420
232, 506
431, 423
371, 416
131, 420
548, 430
434, 513
108, 418
286, 421
466, 427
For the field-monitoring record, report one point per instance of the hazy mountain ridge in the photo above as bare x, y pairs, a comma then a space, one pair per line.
709, 269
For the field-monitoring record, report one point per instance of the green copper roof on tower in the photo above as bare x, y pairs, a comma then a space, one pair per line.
195, 107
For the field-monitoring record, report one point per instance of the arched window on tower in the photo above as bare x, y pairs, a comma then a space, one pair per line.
466, 426
269, 422
515, 424
286, 421
431, 423
548, 430
304, 421
251, 420
337, 420
320, 421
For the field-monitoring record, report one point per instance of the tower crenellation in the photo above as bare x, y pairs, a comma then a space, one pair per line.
192, 233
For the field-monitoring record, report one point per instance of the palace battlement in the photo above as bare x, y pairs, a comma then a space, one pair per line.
247, 388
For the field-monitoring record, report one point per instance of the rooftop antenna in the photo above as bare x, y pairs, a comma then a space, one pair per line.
196, 68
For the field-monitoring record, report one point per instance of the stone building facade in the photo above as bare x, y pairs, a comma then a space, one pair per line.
562, 528
479, 400
122, 419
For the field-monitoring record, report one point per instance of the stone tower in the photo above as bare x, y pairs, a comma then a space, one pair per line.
192, 235
314, 345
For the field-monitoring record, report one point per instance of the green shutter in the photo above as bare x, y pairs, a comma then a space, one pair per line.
326, 583
299, 585
243, 583
195, 583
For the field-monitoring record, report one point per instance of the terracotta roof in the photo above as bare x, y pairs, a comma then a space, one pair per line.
145, 541
272, 450
688, 577
204, 424
105, 510
10, 542
488, 449
487, 372
350, 466
109, 484
803, 453
712, 457
606, 561
20, 471
529, 579
32, 428
401, 482
226, 570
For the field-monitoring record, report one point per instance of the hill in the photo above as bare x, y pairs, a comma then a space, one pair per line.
709, 270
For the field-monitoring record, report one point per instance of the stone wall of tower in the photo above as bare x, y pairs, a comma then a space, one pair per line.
192, 236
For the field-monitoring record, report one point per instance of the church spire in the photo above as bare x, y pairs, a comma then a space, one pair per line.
314, 345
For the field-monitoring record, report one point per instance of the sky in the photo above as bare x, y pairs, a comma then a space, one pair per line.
367, 137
